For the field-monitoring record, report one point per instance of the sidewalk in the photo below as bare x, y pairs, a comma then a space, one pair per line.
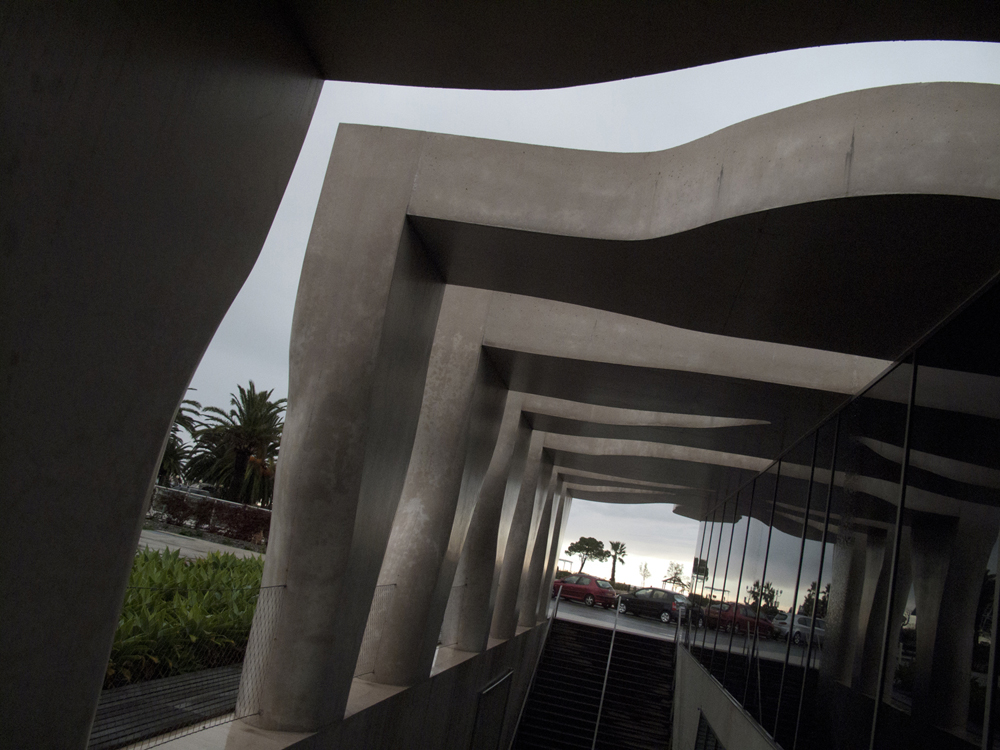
188, 545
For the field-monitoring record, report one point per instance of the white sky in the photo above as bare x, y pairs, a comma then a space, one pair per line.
639, 114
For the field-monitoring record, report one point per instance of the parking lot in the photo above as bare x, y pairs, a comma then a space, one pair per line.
768, 649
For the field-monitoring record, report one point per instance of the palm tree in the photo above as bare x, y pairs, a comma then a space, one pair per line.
176, 453
238, 449
617, 555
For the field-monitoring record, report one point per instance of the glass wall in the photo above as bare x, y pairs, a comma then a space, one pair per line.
851, 589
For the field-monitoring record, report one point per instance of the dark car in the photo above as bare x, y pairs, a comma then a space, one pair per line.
586, 589
696, 614
669, 606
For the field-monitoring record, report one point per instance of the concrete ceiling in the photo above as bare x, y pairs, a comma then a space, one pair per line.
794, 275
551, 43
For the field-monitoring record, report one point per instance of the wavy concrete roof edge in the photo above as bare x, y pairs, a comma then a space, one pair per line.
930, 139
548, 44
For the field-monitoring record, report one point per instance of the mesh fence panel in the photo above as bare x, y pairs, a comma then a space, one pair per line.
179, 664
373, 630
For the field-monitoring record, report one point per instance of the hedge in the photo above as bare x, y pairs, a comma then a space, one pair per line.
244, 522
183, 615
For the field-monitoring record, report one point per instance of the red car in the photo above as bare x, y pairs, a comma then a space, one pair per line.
741, 616
586, 589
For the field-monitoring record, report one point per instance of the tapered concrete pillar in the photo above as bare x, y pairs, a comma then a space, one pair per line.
527, 601
364, 324
904, 580
848, 570
486, 542
428, 516
563, 502
505, 613
871, 614
949, 561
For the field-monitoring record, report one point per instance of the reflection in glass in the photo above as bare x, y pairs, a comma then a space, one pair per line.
759, 592
887, 594
741, 533
794, 507
708, 584
940, 642
717, 662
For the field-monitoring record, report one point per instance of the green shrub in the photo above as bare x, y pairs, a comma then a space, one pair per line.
183, 615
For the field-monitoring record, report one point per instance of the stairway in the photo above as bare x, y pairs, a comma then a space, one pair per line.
561, 709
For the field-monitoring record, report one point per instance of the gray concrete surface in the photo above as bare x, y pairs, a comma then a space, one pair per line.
429, 504
703, 695
362, 332
483, 553
516, 554
538, 232
145, 150
548, 44
189, 546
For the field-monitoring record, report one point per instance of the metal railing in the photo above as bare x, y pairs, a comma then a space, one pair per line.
534, 669
171, 676
607, 669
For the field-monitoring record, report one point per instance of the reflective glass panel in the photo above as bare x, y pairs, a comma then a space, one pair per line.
941, 634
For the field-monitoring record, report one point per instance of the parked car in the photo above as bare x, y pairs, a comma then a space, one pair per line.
799, 629
696, 614
586, 589
669, 606
781, 623
742, 617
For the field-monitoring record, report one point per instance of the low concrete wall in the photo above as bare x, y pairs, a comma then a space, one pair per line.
440, 712
696, 692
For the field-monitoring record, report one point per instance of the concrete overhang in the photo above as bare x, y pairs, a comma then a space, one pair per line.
673, 321
548, 43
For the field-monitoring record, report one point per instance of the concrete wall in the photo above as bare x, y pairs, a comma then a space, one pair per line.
145, 149
696, 692
439, 712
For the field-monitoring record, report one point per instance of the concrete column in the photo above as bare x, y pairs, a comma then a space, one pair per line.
527, 603
145, 151
364, 324
949, 560
871, 613
904, 581
505, 613
842, 612
486, 542
423, 529
558, 527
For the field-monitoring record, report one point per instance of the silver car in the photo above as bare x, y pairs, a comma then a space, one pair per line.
800, 630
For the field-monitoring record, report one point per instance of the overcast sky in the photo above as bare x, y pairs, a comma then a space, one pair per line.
639, 114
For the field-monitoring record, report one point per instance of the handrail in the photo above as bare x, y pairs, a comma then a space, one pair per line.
607, 668
534, 671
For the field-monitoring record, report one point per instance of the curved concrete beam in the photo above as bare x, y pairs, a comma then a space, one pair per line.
599, 447
723, 222
571, 473
560, 329
559, 407
926, 139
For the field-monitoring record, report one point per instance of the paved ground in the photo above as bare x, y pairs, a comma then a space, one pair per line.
189, 546
649, 627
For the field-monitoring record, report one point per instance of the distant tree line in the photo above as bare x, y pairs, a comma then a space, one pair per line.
235, 452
